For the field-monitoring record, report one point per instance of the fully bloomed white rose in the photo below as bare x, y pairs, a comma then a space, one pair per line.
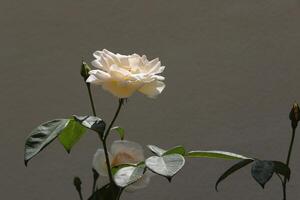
122, 75
122, 152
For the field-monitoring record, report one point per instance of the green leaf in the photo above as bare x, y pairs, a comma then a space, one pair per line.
262, 171
42, 136
71, 134
92, 122
107, 192
233, 169
216, 154
128, 175
176, 150
120, 131
166, 166
282, 168
156, 150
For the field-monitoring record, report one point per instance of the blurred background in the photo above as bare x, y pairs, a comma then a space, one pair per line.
232, 75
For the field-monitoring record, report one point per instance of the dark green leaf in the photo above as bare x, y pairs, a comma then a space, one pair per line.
232, 169
156, 150
107, 192
176, 150
167, 165
43, 135
283, 169
120, 131
216, 154
128, 175
262, 171
92, 122
71, 134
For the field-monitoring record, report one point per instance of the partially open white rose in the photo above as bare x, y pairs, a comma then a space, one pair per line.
122, 152
122, 75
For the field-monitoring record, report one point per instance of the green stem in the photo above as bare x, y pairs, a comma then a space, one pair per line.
105, 137
80, 196
88, 85
288, 162
121, 101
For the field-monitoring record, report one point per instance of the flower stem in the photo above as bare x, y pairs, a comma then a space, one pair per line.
105, 137
88, 85
288, 162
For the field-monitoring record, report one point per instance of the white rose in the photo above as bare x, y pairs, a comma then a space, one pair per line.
122, 75
122, 152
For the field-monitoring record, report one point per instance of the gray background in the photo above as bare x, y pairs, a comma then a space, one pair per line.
232, 76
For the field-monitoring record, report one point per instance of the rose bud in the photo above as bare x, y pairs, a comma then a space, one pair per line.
77, 183
85, 70
295, 115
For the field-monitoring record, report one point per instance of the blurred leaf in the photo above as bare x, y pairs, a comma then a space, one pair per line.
282, 168
107, 192
166, 166
92, 122
128, 175
233, 169
216, 154
262, 171
120, 131
176, 150
42, 136
156, 150
71, 134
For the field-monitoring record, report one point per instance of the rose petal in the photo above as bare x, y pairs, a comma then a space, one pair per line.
152, 89
94, 80
99, 162
100, 63
100, 75
124, 151
112, 56
120, 89
118, 73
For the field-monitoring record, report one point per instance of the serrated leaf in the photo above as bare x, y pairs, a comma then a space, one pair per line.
71, 134
167, 165
216, 154
262, 171
91, 122
233, 169
107, 192
176, 150
120, 131
156, 150
42, 136
128, 175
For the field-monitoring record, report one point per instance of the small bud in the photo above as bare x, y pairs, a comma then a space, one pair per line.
85, 70
295, 115
77, 183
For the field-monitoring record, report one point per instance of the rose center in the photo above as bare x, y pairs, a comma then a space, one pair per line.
122, 158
